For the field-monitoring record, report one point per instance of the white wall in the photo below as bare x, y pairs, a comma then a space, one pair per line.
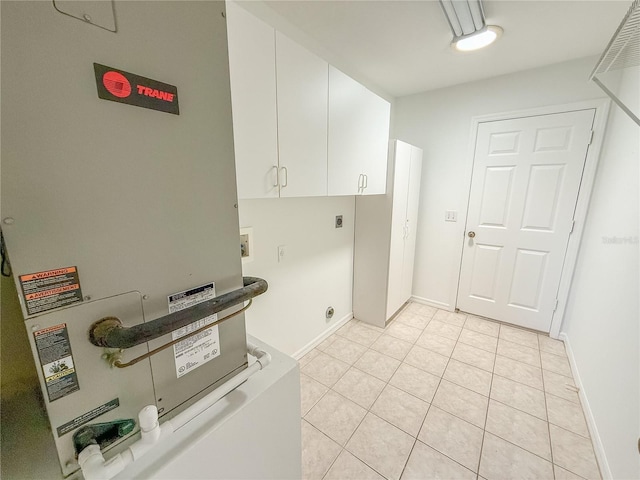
602, 318
317, 271
603, 315
439, 122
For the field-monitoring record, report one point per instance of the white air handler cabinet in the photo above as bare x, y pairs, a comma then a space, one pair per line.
131, 223
385, 239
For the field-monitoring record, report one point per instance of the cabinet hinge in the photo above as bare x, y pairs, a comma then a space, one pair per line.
555, 307
573, 225
590, 137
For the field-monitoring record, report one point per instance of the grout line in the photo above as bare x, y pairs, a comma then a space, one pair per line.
342, 449
568, 468
324, 434
521, 448
415, 441
486, 417
546, 406
434, 396
520, 410
319, 398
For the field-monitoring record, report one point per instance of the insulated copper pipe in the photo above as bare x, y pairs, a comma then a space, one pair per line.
109, 332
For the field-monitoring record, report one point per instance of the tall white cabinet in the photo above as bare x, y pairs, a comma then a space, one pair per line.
385, 239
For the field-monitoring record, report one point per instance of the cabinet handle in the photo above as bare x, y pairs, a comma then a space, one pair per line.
366, 182
360, 182
286, 176
277, 180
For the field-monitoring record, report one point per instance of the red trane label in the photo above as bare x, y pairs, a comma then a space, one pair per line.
117, 84
154, 93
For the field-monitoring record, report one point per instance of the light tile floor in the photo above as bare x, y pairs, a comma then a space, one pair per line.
441, 395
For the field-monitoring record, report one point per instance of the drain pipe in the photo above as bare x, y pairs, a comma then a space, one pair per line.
95, 467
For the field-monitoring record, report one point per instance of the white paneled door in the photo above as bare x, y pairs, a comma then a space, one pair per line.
526, 178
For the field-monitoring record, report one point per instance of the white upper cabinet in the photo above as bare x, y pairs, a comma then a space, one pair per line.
301, 127
302, 86
252, 65
358, 137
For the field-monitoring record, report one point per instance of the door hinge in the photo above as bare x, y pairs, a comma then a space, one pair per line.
573, 225
555, 307
590, 137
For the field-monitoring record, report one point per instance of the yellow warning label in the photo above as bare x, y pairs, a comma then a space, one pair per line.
61, 374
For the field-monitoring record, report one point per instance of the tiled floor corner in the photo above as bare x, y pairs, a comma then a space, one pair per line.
441, 395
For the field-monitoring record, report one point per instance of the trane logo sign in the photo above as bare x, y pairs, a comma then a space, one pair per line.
118, 85
152, 92
124, 87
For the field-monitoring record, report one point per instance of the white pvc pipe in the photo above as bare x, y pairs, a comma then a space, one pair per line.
95, 467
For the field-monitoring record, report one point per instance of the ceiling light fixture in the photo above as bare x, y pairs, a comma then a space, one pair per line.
468, 25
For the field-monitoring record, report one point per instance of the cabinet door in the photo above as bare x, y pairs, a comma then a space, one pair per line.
345, 129
413, 203
401, 171
302, 86
252, 65
358, 136
375, 143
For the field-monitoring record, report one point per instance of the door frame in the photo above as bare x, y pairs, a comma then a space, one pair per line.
602, 107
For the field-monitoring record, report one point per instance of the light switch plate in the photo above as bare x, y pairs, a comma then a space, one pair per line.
451, 216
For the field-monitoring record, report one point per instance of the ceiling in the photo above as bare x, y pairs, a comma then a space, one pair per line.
403, 46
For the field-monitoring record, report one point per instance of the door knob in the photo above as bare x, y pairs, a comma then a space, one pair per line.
471, 234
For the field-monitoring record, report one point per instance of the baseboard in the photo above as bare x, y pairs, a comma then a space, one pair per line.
431, 303
316, 341
598, 448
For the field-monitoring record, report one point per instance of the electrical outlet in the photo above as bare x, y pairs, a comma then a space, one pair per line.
246, 244
338, 221
245, 249
281, 253
450, 216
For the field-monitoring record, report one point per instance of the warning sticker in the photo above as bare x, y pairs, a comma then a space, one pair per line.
56, 360
87, 417
51, 289
198, 349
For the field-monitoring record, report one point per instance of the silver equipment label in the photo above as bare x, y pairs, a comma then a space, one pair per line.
203, 347
87, 417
